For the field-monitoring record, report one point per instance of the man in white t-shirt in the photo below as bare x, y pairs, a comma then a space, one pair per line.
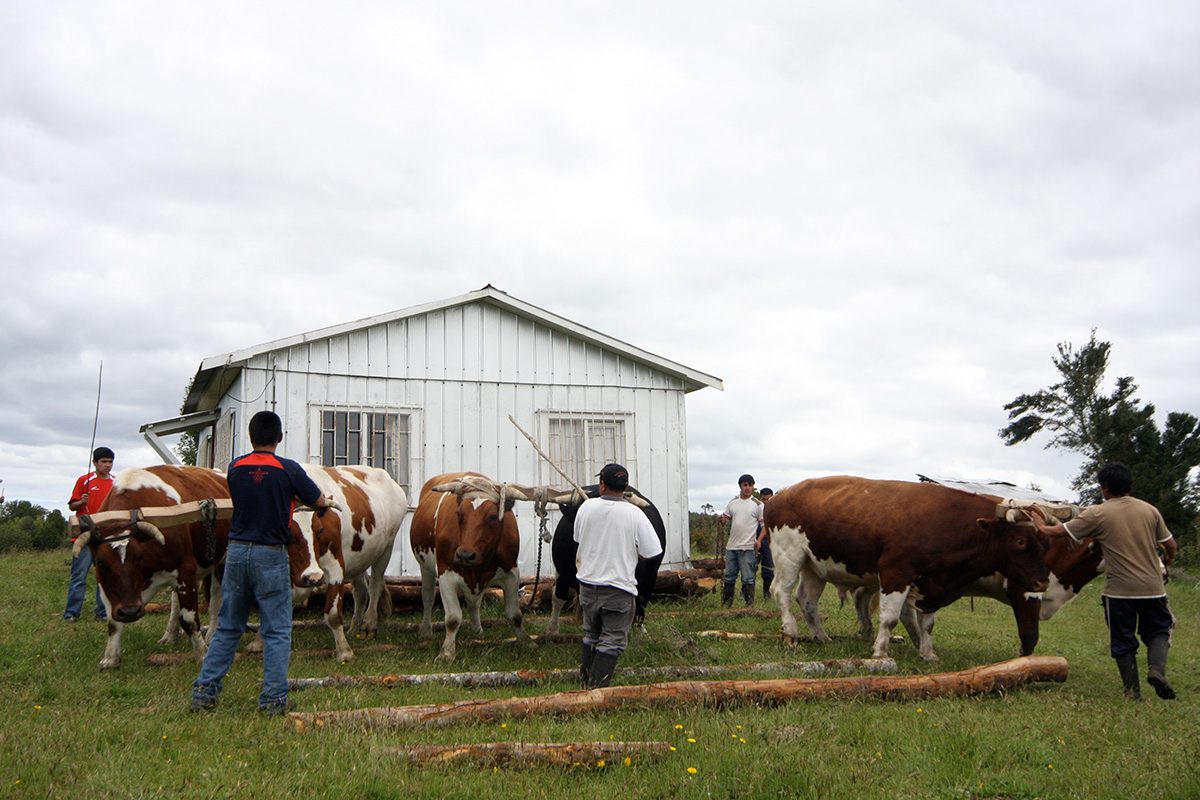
744, 514
612, 534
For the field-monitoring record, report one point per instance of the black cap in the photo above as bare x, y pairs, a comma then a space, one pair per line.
746, 479
615, 477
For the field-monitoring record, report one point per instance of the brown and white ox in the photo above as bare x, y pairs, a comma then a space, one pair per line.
134, 561
464, 535
920, 545
1071, 567
348, 541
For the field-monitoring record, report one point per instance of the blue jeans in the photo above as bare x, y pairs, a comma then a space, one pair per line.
77, 586
254, 573
743, 561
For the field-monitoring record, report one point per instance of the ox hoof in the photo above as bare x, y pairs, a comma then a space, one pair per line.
255, 647
346, 657
444, 656
109, 663
168, 638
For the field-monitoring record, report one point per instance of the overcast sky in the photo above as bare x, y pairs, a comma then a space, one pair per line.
873, 221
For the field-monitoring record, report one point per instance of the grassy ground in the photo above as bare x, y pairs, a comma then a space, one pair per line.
70, 730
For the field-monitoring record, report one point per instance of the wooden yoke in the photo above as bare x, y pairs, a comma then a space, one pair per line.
159, 516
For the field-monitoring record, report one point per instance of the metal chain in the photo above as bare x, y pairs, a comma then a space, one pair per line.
539, 508
208, 518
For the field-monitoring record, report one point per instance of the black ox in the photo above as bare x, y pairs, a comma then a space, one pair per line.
564, 548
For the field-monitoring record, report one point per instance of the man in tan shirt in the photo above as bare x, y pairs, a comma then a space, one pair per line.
1129, 532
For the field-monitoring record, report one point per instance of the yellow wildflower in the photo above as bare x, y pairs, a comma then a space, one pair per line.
692, 770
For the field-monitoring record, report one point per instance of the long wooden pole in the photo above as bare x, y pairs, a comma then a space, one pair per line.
528, 677
977, 680
549, 461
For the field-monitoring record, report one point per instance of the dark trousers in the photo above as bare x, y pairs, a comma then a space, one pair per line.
1129, 618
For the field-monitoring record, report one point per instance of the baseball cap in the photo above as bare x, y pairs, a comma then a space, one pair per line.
615, 477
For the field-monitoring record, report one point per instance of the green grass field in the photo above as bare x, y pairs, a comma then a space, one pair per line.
71, 731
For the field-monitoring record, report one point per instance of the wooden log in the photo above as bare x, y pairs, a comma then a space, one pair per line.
736, 635
529, 677
977, 680
531, 754
167, 659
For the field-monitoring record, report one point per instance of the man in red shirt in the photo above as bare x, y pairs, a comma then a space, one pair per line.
87, 497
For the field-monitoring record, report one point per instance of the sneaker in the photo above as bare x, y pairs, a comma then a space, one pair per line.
275, 709
70, 618
203, 704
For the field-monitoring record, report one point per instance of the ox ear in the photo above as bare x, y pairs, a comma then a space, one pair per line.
144, 531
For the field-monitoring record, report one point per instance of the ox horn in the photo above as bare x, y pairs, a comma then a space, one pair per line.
146, 529
640, 502
81, 542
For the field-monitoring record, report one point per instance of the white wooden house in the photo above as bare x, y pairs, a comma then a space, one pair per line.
429, 389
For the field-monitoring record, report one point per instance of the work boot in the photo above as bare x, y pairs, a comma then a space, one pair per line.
604, 664
1127, 665
585, 663
748, 593
1156, 658
727, 595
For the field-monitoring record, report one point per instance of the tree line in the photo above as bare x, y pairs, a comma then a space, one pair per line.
25, 526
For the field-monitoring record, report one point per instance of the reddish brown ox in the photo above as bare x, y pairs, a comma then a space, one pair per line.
920, 544
1071, 568
133, 568
350, 543
465, 538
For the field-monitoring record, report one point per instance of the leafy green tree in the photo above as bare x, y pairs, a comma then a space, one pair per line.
24, 526
189, 441
1114, 426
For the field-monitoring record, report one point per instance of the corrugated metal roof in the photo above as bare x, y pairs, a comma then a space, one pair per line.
1002, 489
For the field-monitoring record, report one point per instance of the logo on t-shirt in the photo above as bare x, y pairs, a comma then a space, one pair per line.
259, 475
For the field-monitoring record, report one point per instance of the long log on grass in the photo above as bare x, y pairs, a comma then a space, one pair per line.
530, 677
977, 680
530, 754
167, 659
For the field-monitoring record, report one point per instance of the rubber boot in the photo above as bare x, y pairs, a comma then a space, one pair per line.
748, 593
1127, 665
585, 663
1156, 657
604, 664
766, 582
727, 595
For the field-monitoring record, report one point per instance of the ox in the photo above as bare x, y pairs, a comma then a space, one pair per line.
464, 535
565, 548
134, 561
1071, 567
921, 545
357, 535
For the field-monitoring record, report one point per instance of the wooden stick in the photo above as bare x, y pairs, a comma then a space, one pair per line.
167, 659
542, 453
977, 680
530, 754
529, 677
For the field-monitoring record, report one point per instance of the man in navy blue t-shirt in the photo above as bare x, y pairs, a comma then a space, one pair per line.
262, 486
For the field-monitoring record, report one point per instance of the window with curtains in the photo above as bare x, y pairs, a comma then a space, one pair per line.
361, 436
583, 443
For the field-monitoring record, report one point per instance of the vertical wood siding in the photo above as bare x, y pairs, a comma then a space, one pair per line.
459, 373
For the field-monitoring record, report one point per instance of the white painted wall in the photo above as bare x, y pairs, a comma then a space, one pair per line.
460, 372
